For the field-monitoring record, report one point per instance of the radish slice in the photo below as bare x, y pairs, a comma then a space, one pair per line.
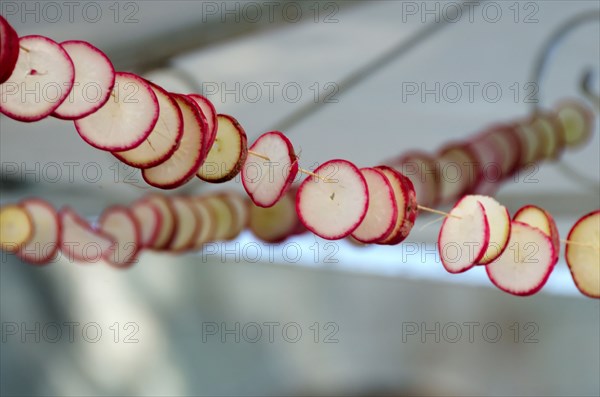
406, 202
120, 224
464, 236
539, 218
207, 220
9, 49
459, 171
333, 208
16, 227
499, 225
276, 223
382, 211
94, 81
549, 127
239, 205
188, 225
228, 153
224, 217
164, 138
531, 144
505, 139
149, 218
577, 121
185, 161
583, 255
41, 80
266, 181
420, 168
489, 155
125, 120
44, 244
168, 221
526, 264
206, 107
80, 242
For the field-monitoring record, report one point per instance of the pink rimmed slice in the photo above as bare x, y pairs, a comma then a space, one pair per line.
539, 218
120, 224
45, 242
188, 224
265, 180
94, 81
209, 111
80, 242
207, 220
334, 205
187, 158
16, 227
583, 254
420, 168
164, 138
382, 211
168, 221
241, 212
150, 220
550, 128
464, 236
125, 120
459, 171
41, 80
577, 121
276, 223
228, 152
9, 49
406, 203
223, 215
526, 264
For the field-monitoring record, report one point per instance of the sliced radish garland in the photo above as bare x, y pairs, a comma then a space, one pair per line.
224, 217
16, 227
406, 203
164, 138
239, 205
420, 168
80, 242
499, 225
41, 80
168, 221
266, 181
188, 224
228, 152
459, 171
382, 211
45, 242
9, 49
333, 208
583, 254
206, 107
464, 236
93, 84
150, 220
121, 225
276, 223
526, 264
549, 127
577, 121
125, 120
185, 161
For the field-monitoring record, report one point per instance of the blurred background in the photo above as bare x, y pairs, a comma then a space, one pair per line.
334, 76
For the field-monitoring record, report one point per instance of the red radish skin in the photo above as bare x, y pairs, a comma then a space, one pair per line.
208, 222
540, 218
43, 64
469, 226
74, 228
188, 224
459, 171
185, 161
169, 221
150, 219
333, 219
9, 49
137, 108
121, 225
523, 273
92, 66
206, 107
583, 260
420, 168
164, 139
45, 243
265, 181
406, 201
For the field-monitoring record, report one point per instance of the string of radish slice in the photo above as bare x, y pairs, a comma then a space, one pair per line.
173, 137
